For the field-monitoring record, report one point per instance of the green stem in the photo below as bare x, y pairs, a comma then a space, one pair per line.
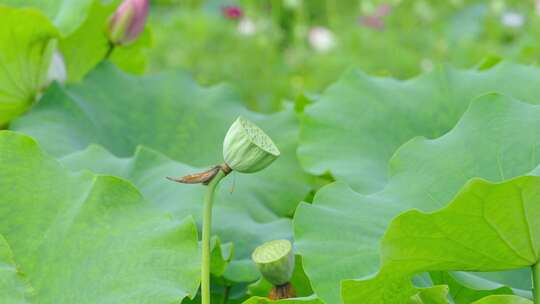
536, 282
110, 49
206, 234
226, 294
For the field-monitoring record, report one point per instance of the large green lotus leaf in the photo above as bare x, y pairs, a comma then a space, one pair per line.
338, 235
85, 238
303, 300
503, 299
26, 44
88, 45
66, 14
13, 287
233, 294
169, 113
432, 295
359, 122
467, 288
486, 227
241, 216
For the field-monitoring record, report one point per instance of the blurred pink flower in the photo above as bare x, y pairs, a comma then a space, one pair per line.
375, 21
232, 12
128, 21
383, 10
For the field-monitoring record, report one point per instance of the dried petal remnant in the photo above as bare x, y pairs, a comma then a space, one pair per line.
202, 177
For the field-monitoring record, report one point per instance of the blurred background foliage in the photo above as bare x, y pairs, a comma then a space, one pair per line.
275, 50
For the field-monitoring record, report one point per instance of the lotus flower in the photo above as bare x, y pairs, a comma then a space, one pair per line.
128, 21
233, 12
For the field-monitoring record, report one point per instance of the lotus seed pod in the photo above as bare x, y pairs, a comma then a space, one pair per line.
128, 21
247, 148
275, 261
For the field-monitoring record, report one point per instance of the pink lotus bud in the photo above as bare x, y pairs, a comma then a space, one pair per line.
128, 21
233, 12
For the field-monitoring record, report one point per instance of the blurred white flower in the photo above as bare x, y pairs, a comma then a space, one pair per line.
321, 39
292, 4
512, 19
537, 7
246, 27
57, 69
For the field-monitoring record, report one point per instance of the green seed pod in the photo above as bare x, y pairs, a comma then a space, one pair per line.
247, 148
275, 261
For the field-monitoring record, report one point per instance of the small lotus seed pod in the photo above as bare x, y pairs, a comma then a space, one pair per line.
247, 148
275, 261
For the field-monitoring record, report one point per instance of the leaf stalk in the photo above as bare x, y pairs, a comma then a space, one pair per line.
110, 49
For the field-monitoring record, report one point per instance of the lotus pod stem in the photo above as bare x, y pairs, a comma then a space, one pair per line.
246, 149
206, 235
